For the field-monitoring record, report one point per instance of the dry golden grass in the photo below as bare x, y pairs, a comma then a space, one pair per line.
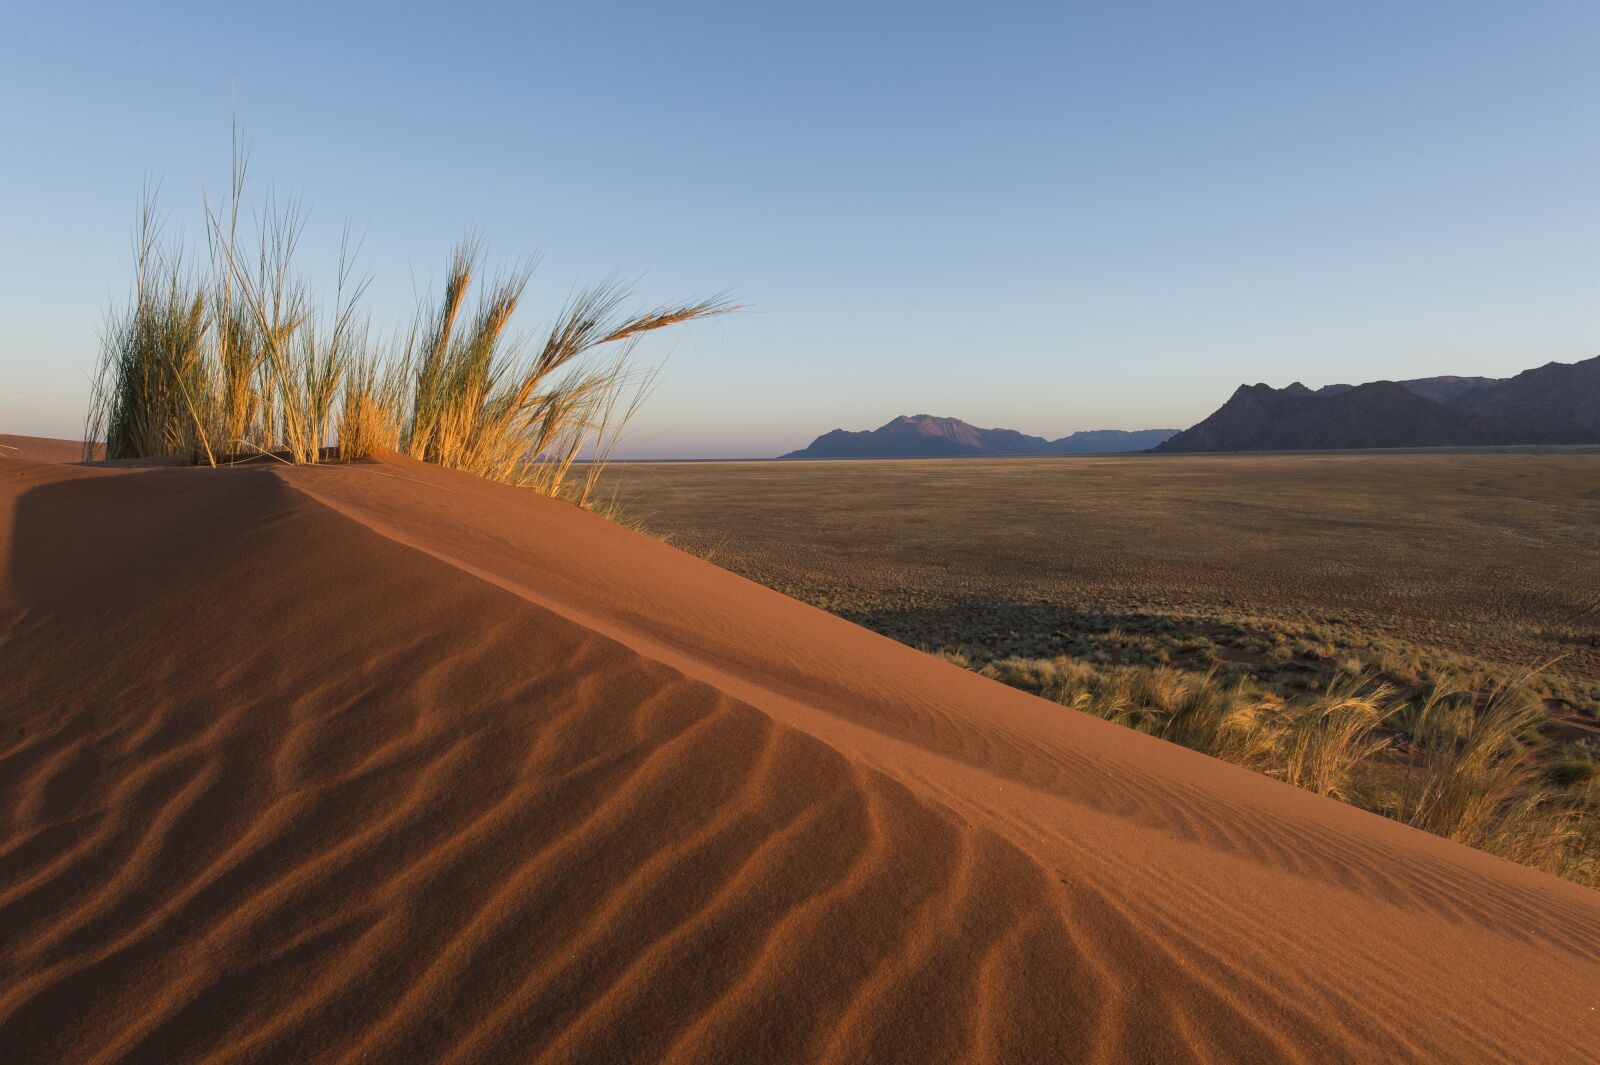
1481, 777
243, 359
481, 403
371, 412
1326, 739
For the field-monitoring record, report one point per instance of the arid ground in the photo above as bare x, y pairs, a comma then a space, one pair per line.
1281, 564
385, 762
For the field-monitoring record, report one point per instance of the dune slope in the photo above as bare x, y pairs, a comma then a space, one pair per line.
40, 449
381, 762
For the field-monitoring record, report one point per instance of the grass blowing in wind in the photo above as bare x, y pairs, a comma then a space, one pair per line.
242, 359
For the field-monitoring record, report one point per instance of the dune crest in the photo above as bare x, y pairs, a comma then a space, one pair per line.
381, 762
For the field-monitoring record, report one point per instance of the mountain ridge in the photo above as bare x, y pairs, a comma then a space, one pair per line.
1557, 403
929, 436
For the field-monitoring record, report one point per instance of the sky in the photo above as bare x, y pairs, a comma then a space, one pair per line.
1047, 217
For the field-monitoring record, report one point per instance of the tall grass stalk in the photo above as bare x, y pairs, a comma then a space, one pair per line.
239, 352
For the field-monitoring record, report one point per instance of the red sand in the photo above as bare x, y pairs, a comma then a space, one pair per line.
41, 449
384, 763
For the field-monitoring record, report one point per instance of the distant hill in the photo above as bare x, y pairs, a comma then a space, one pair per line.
925, 436
1109, 441
1558, 403
1563, 399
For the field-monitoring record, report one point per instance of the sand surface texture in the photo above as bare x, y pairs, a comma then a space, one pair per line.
383, 763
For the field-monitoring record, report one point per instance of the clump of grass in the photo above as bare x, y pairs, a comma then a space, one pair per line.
1328, 737
224, 362
1479, 781
372, 409
482, 403
244, 360
1225, 720
152, 396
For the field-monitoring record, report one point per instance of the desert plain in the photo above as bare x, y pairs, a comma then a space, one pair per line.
1480, 559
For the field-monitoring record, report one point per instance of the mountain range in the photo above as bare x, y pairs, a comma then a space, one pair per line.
925, 436
1558, 403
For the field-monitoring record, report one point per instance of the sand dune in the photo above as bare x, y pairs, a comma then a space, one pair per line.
383, 763
40, 449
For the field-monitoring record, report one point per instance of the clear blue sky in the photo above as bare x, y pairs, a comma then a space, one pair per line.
1049, 217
